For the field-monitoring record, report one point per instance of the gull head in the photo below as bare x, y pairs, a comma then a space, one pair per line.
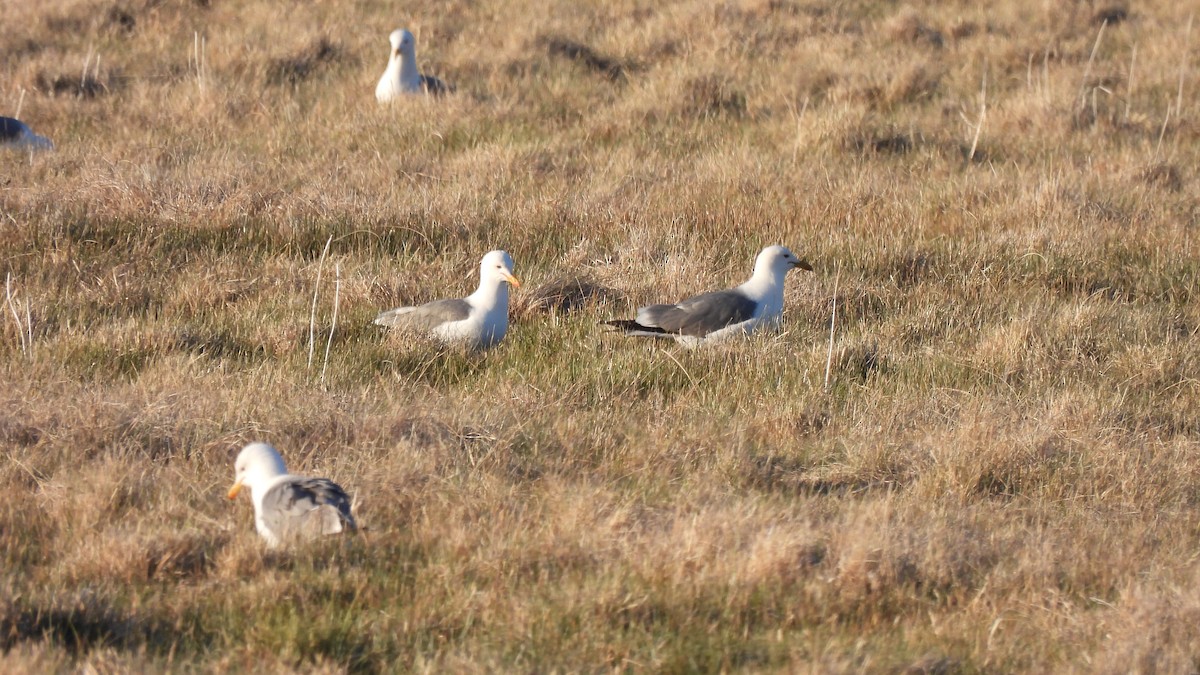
402, 42
778, 260
256, 464
497, 267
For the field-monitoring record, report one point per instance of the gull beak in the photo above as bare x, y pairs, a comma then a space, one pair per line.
233, 491
512, 280
802, 264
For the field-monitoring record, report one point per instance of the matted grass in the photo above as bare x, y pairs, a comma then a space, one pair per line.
1001, 474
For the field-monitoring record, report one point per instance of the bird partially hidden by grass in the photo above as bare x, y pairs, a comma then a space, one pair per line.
477, 321
289, 508
718, 315
401, 76
16, 134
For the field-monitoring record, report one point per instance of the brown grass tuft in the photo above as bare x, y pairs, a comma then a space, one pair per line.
932, 664
964, 29
120, 20
586, 56
884, 143
1163, 175
714, 96
907, 26
79, 625
999, 475
1111, 15
85, 86
34, 657
292, 70
563, 295
912, 84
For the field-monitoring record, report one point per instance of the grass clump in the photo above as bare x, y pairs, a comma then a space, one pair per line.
998, 475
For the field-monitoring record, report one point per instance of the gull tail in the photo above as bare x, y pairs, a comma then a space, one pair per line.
435, 86
634, 329
328, 519
393, 317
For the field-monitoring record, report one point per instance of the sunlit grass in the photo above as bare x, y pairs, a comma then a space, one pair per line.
998, 474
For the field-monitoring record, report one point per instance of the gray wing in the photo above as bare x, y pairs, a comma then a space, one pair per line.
434, 86
427, 316
306, 508
700, 315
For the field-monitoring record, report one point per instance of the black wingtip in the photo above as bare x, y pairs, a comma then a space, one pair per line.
435, 86
631, 326
621, 324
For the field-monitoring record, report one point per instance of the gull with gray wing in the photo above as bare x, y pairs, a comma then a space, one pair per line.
717, 315
401, 76
477, 321
289, 508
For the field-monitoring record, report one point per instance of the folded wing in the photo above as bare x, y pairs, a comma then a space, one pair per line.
696, 317
427, 316
307, 508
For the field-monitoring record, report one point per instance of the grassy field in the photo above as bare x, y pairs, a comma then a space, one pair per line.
1001, 475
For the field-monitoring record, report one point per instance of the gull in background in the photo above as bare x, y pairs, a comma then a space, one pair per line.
401, 76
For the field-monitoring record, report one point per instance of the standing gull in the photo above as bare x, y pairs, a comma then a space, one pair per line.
16, 134
289, 508
401, 76
713, 316
478, 321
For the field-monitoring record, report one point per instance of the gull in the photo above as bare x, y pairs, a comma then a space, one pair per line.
477, 321
717, 315
16, 134
289, 508
401, 76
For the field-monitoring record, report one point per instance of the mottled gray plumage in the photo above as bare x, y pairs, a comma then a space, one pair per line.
427, 316
288, 508
304, 508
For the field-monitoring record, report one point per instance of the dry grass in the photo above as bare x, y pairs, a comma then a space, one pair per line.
1001, 477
